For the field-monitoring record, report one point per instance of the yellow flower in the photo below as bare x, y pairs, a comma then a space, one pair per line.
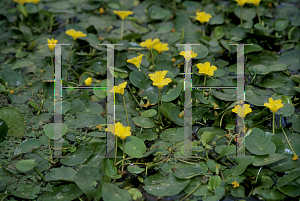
101, 10
274, 105
235, 184
159, 79
11, 91
188, 54
136, 61
295, 157
119, 89
206, 68
123, 14
119, 130
255, 2
160, 47
75, 34
22, 2
110, 128
99, 126
88, 81
242, 111
51, 44
33, 1
203, 17
149, 43
241, 2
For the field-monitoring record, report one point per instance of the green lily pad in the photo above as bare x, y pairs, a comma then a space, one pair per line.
87, 178
12, 78
259, 145
134, 169
67, 192
290, 190
143, 122
247, 14
50, 130
27, 146
188, 171
172, 94
259, 69
159, 185
278, 67
134, 147
214, 182
267, 159
76, 106
26, 165
202, 190
14, 120
172, 113
149, 113
61, 174
111, 192
173, 135
281, 24
78, 157
109, 169
282, 181
136, 78
26, 192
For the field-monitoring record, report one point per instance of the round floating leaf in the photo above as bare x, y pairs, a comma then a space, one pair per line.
158, 13
148, 134
63, 192
290, 190
173, 135
26, 165
280, 25
270, 81
149, 113
27, 146
214, 182
278, 67
188, 171
61, 174
172, 94
247, 14
109, 169
78, 157
111, 192
15, 121
12, 78
136, 77
296, 78
134, 147
52, 127
259, 69
134, 169
224, 96
87, 179
286, 110
26, 192
77, 105
164, 29
143, 122
252, 48
282, 181
172, 112
259, 145
160, 185
267, 159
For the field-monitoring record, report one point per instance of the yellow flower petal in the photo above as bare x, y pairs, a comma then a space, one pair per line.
274, 105
241, 2
149, 43
88, 81
159, 79
75, 34
101, 10
51, 44
123, 14
295, 157
235, 184
206, 68
160, 47
188, 54
119, 89
255, 2
203, 17
136, 61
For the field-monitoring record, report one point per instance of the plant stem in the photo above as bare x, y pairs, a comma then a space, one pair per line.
50, 149
123, 157
159, 95
288, 141
39, 173
202, 30
134, 97
241, 15
125, 110
152, 57
204, 85
122, 27
191, 192
273, 123
69, 59
116, 151
52, 65
182, 36
258, 15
